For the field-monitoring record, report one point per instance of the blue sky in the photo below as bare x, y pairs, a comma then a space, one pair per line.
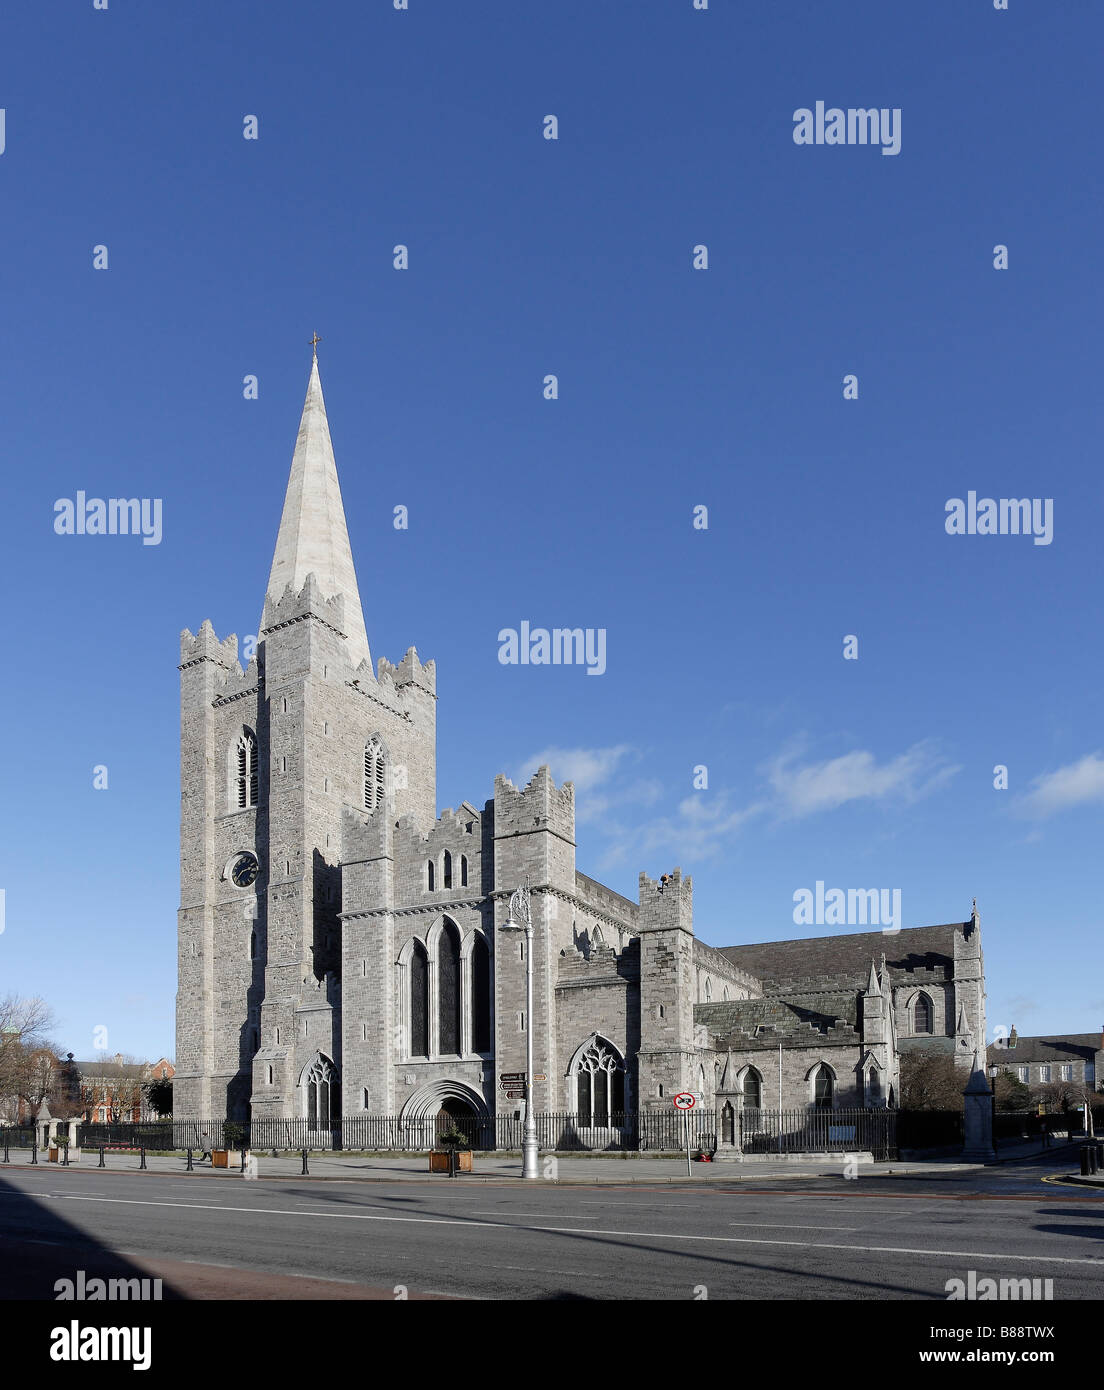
677, 388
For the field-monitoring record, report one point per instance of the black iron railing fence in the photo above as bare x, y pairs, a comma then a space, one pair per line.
17, 1136
760, 1132
817, 1130
151, 1134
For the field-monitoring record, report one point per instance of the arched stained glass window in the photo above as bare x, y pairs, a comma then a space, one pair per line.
323, 1094
823, 1088
448, 990
481, 995
419, 1001
599, 1073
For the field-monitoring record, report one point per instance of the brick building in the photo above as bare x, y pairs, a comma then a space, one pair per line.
340, 948
112, 1090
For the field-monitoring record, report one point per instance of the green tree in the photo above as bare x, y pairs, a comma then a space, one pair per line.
159, 1095
1011, 1093
931, 1081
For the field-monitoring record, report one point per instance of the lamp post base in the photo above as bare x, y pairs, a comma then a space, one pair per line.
530, 1166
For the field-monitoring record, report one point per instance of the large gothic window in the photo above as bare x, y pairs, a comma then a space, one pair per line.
419, 1001
481, 995
375, 774
599, 1074
922, 1014
448, 990
323, 1093
753, 1090
244, 792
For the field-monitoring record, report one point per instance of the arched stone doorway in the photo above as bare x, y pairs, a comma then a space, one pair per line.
439, 1105
455, 1111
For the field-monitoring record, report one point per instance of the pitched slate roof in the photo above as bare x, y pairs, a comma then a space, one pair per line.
798, 1019
1051, 1047
848, 957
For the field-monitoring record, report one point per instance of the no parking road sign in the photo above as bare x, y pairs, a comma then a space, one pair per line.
685, 1101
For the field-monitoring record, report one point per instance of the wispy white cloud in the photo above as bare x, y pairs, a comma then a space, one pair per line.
705, 823
586, 767
700, 826
803, 790
592, 769
1072, 785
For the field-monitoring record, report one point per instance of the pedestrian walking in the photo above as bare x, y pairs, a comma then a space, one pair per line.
206, 1145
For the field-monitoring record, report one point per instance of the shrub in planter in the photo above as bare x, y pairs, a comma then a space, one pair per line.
229, 1155
453, 1138
451, 1141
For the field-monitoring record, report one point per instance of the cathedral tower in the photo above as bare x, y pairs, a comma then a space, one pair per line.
276, 760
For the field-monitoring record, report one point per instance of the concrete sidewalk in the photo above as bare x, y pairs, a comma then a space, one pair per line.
558, 1169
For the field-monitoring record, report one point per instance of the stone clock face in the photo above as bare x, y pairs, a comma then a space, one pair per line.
245, 870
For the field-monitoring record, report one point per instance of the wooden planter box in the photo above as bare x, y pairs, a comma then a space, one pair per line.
439, 1161
57, 1155
226, 1158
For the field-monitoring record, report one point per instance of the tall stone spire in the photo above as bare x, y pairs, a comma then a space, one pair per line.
313, 536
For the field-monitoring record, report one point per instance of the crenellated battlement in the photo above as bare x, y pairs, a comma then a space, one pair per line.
600, 963
205, 646
409, 672
540, 804
308, 602
666, 903
235, 683
415, 849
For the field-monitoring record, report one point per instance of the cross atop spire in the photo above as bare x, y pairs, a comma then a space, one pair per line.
313, 536
314, 344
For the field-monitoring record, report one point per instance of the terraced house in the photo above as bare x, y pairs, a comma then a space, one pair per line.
340, 942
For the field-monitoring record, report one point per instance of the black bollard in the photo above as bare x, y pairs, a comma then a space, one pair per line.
452, 1163
305, 1173
1093, 1165
143, 1162
34, 1152
1085, 1169
65, 1160
6, 1158
189, 1168
102, 1164
243, 1159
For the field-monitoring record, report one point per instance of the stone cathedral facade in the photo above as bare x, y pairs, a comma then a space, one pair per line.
340, 943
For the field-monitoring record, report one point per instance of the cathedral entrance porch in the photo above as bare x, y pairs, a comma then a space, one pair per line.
443, 1105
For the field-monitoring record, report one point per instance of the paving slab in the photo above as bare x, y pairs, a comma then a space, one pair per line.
558, 1169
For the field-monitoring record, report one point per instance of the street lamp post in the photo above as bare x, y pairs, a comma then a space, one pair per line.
521, 919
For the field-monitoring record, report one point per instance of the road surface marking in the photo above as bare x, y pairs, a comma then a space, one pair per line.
574, 1231
790, 1226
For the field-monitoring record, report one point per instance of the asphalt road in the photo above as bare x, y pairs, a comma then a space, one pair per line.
876, 1237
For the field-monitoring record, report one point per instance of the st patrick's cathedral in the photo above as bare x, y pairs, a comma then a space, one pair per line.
340, 943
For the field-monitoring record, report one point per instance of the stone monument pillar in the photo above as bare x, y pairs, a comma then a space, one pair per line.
978, 1104
729, 1103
